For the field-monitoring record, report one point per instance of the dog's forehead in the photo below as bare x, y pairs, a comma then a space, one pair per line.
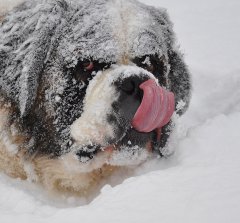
113, 29
42, 34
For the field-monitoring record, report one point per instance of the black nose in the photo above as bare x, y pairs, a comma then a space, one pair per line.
130, 85
130, 97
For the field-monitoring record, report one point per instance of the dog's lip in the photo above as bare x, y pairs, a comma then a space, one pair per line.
110, 148
113, 147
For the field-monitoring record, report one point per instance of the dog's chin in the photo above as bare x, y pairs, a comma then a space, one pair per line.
112, 155
67, 173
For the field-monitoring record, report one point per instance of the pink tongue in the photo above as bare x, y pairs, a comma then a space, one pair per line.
156, 108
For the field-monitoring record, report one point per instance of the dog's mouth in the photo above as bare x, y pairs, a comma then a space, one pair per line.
115, 155
91, 151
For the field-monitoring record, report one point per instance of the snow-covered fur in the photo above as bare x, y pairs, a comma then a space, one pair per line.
65, 70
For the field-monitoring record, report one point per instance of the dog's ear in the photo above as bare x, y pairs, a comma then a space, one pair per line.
178, 77
26, 36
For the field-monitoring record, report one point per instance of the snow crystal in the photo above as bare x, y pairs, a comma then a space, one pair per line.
147, 61
57, 98
180, 105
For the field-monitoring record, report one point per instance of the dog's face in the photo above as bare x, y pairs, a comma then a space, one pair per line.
75, 73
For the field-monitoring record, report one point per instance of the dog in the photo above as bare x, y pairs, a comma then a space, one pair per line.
86, 88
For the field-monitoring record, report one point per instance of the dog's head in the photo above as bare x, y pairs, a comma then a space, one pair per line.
78, 72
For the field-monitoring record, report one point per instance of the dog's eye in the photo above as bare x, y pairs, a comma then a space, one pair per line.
87, 68
88, 65
84, 70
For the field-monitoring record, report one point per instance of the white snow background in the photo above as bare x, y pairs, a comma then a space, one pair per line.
201, 182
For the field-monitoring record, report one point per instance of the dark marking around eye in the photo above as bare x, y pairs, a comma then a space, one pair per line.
86, 69
153, 64
88, 66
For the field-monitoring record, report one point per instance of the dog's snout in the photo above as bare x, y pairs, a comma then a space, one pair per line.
130, 86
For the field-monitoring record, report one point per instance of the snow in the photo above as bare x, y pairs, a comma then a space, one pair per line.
200, 182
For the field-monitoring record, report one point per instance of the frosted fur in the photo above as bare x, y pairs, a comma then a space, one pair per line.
105, 30
60, 114
30, 32
23, 48
59, 33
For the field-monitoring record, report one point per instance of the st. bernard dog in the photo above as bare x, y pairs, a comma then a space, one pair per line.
86, 87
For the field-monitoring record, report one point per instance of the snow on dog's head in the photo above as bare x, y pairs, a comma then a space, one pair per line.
88, 86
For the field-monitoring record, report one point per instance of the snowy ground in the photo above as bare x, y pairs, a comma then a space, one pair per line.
201, 182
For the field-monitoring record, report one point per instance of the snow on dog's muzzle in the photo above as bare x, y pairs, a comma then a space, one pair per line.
118, 99
156, 108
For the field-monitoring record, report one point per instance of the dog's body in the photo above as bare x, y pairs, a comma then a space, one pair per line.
70, 73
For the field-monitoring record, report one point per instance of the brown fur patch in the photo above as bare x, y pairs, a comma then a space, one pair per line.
11, 164
51, 173
55, 177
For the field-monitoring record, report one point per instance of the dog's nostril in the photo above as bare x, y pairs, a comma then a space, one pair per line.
130, 85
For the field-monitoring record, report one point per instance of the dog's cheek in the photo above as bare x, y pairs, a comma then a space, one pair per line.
58, 105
